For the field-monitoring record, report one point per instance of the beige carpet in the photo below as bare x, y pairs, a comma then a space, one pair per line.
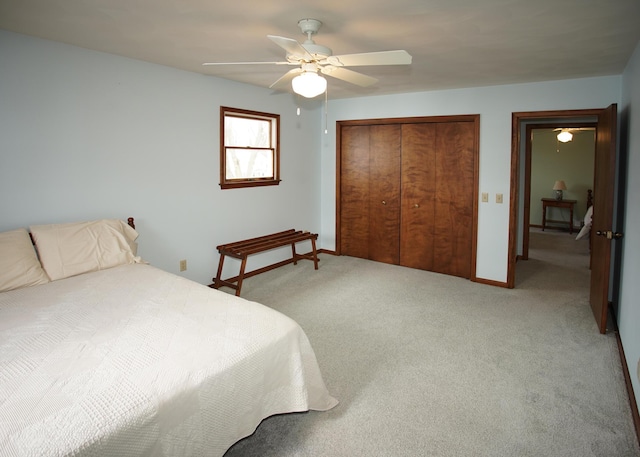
429, 365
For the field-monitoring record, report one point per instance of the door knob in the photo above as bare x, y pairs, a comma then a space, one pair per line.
608, 234
416, 206
384, 202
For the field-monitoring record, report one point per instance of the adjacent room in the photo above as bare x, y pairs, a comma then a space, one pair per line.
284, 229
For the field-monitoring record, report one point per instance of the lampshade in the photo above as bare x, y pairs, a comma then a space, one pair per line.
565, 136
309, 84
559, 185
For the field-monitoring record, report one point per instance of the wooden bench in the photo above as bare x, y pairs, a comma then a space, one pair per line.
243, 249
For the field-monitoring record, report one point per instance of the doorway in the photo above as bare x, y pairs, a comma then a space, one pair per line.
556, 163
604, 183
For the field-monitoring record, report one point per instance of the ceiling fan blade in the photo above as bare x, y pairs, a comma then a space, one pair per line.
399, 57
291, 46
284, 83
349, 76
248, 63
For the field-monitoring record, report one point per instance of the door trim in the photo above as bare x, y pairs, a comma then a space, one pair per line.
517, 119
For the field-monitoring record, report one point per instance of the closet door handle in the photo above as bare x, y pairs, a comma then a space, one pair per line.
416, 205
384, 202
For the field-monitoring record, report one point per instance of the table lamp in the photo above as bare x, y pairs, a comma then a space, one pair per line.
559, 186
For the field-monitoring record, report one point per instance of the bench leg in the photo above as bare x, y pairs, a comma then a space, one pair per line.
241, 275
315, 253
216, 281
293, 253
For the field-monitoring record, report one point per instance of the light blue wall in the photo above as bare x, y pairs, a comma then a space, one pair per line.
495, 105
629, 307
87, 135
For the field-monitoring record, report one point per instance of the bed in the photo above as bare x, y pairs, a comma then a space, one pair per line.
103, 354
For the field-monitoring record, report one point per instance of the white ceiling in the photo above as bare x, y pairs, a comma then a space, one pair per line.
454, 43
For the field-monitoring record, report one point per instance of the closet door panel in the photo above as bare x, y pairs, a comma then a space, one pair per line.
418, 195
454, 198
384, 193
354, 191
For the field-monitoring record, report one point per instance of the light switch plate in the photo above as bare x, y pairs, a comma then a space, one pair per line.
498, 198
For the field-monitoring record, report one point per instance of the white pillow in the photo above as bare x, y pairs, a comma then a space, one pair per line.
588, 216
72, 249
19, 265
586, 228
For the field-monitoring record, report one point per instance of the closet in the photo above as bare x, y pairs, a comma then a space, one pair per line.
407, 192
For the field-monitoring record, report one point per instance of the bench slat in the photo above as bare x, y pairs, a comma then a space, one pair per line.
257, 242
257, 239
242, 249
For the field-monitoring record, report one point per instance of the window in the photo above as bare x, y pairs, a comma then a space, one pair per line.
249, 148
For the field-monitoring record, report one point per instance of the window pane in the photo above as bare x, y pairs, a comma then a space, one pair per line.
245, 132
249, 163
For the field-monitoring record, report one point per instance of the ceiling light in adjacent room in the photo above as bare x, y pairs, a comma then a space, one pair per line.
565, 136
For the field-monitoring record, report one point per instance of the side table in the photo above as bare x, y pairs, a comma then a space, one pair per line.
563, 204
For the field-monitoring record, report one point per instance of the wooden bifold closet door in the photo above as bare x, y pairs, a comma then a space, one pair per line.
407, 194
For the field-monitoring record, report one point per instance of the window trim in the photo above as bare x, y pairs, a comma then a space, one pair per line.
251, 182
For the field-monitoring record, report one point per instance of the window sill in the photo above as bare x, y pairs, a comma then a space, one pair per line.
255, 183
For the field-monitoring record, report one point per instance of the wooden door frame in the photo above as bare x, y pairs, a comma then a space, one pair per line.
475, 118
517, 119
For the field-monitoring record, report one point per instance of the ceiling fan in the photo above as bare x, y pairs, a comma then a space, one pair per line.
312, 58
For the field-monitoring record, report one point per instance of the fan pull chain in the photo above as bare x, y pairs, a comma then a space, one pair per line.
326, 110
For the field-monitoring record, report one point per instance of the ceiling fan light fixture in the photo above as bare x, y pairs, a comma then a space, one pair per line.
309, 84
315, 61
565, 136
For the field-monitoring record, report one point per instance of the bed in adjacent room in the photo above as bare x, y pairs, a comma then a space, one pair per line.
585, 230
102, 354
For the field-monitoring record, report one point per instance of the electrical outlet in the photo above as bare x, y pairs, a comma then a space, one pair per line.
498, 198
485, 197
183, 265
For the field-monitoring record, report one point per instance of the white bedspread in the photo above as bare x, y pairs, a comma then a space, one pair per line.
135, 361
